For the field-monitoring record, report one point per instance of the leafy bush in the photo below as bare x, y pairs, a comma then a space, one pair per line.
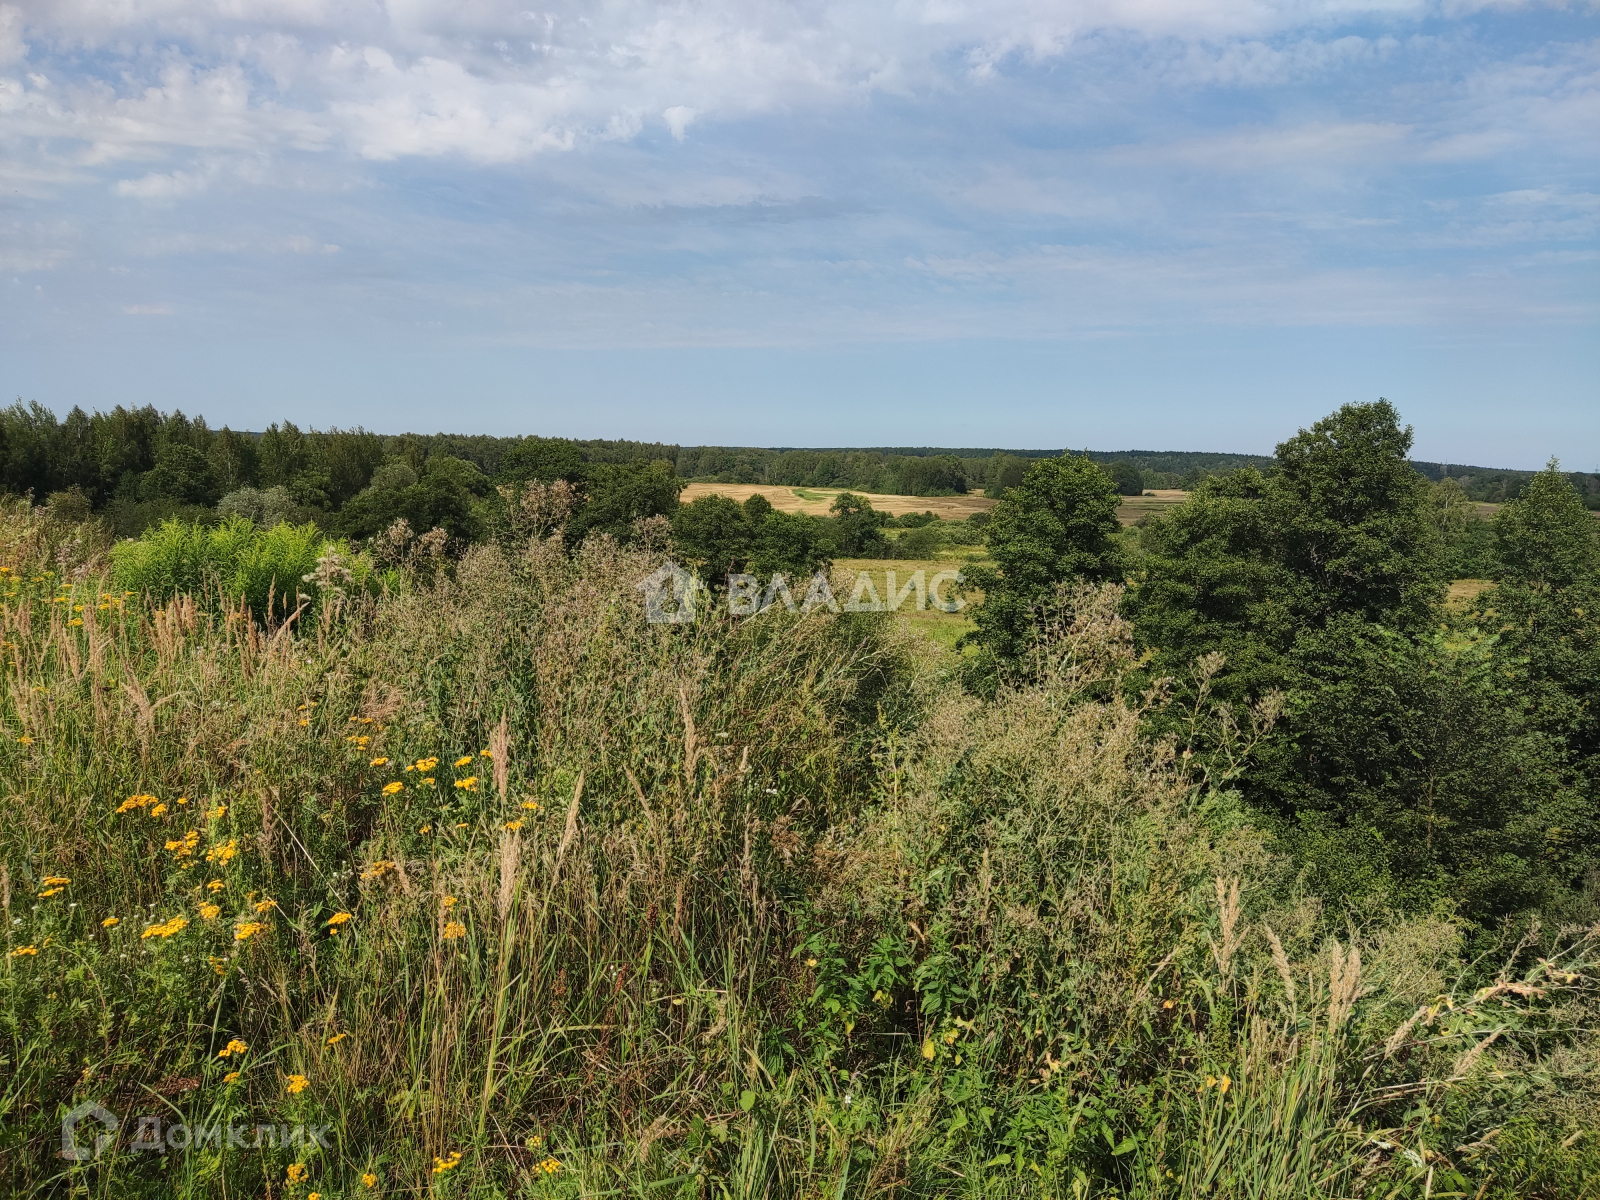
235, 560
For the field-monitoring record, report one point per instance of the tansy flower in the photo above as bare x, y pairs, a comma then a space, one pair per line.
429, 779
441, 1165
164, 930
426, 829
230, 1077
426, 764
297, 1172
449, 902
110, 921
210, 911
22, 951
549, 1166
337, 1038
378, 869
468, 784
223, 853
369, 1180
25, 740
453, 930
248, 930
263, 905
49, 892
234, 1046
133, 802
296, 1084
216, 885
336, 921
158, 810
314, 1196
390, 789
304, 722
379, 762
464, 760
217, 813
513, 824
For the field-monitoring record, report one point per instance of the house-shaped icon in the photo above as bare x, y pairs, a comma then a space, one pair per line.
669, 594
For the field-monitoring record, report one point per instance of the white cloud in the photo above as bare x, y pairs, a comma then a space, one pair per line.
148, 310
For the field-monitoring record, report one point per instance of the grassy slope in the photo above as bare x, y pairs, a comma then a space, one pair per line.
761, 908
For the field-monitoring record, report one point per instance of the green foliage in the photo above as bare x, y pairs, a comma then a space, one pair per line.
183, 474
1059, 524
234, 561
1127, 477
857, 527
714, 535
543, 459
617, 495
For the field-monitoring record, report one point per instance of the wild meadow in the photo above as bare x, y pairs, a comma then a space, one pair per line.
514, 893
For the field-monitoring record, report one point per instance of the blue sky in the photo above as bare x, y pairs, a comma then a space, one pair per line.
1162, 224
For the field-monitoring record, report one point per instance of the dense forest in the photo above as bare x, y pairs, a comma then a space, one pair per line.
137, 467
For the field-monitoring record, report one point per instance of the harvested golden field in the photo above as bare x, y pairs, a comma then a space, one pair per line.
814, 502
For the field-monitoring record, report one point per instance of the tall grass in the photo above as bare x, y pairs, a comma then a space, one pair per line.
759, 908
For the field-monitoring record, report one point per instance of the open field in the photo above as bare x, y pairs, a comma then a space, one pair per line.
943, 627
815, 501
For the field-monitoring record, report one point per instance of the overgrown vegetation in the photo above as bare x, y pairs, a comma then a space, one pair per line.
1243, 866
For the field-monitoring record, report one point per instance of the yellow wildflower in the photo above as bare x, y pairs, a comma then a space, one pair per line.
296, 1084
429, 779
21, 951
390, 789
441, 1165
378, 869
217, 813
927, 1049
264, 905
531, 805
133, 802
464, 760
487, 753
216, 885
49, 892
337, 1038
369, 1180
426, 829
453, 930
248, 930
426, 764
379, 762
304, 723
1224, 1084
75, 621
234, 1046
297, 1172
470, 783
219, 965
223, 853
166, 929
549, 1166
158, 810
513, 825
337, 921
184, 846
210, 911
110, 921
314, 1196
450, 901
230, 1076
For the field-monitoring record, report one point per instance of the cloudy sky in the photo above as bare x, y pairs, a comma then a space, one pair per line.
1165, 224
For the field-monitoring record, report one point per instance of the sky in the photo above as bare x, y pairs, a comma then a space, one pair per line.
1151, 224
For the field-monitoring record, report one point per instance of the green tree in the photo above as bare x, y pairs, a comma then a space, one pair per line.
1059, 523
540, 459
618, 494
181, 473
857, 526
790, 543
714, 535
1128, 478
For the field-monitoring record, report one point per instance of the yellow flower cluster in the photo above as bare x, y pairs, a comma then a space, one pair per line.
1222, 1085
441, 1165
110, 921
359, 739
266, 904
24, 951
549, 1166
378, 869
297, 1172
248, 930
296, 1084
166, 929
224, 853
389, 789
184, 846
453, 930
513, 825
133, 802
210, 912
424, 765
234, 1046
369, 1180
464, 761
337, 1038
379, 762
337, 921
217, 813
469, 784
55, 881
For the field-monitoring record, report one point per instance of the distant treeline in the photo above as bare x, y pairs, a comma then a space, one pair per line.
139, 466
